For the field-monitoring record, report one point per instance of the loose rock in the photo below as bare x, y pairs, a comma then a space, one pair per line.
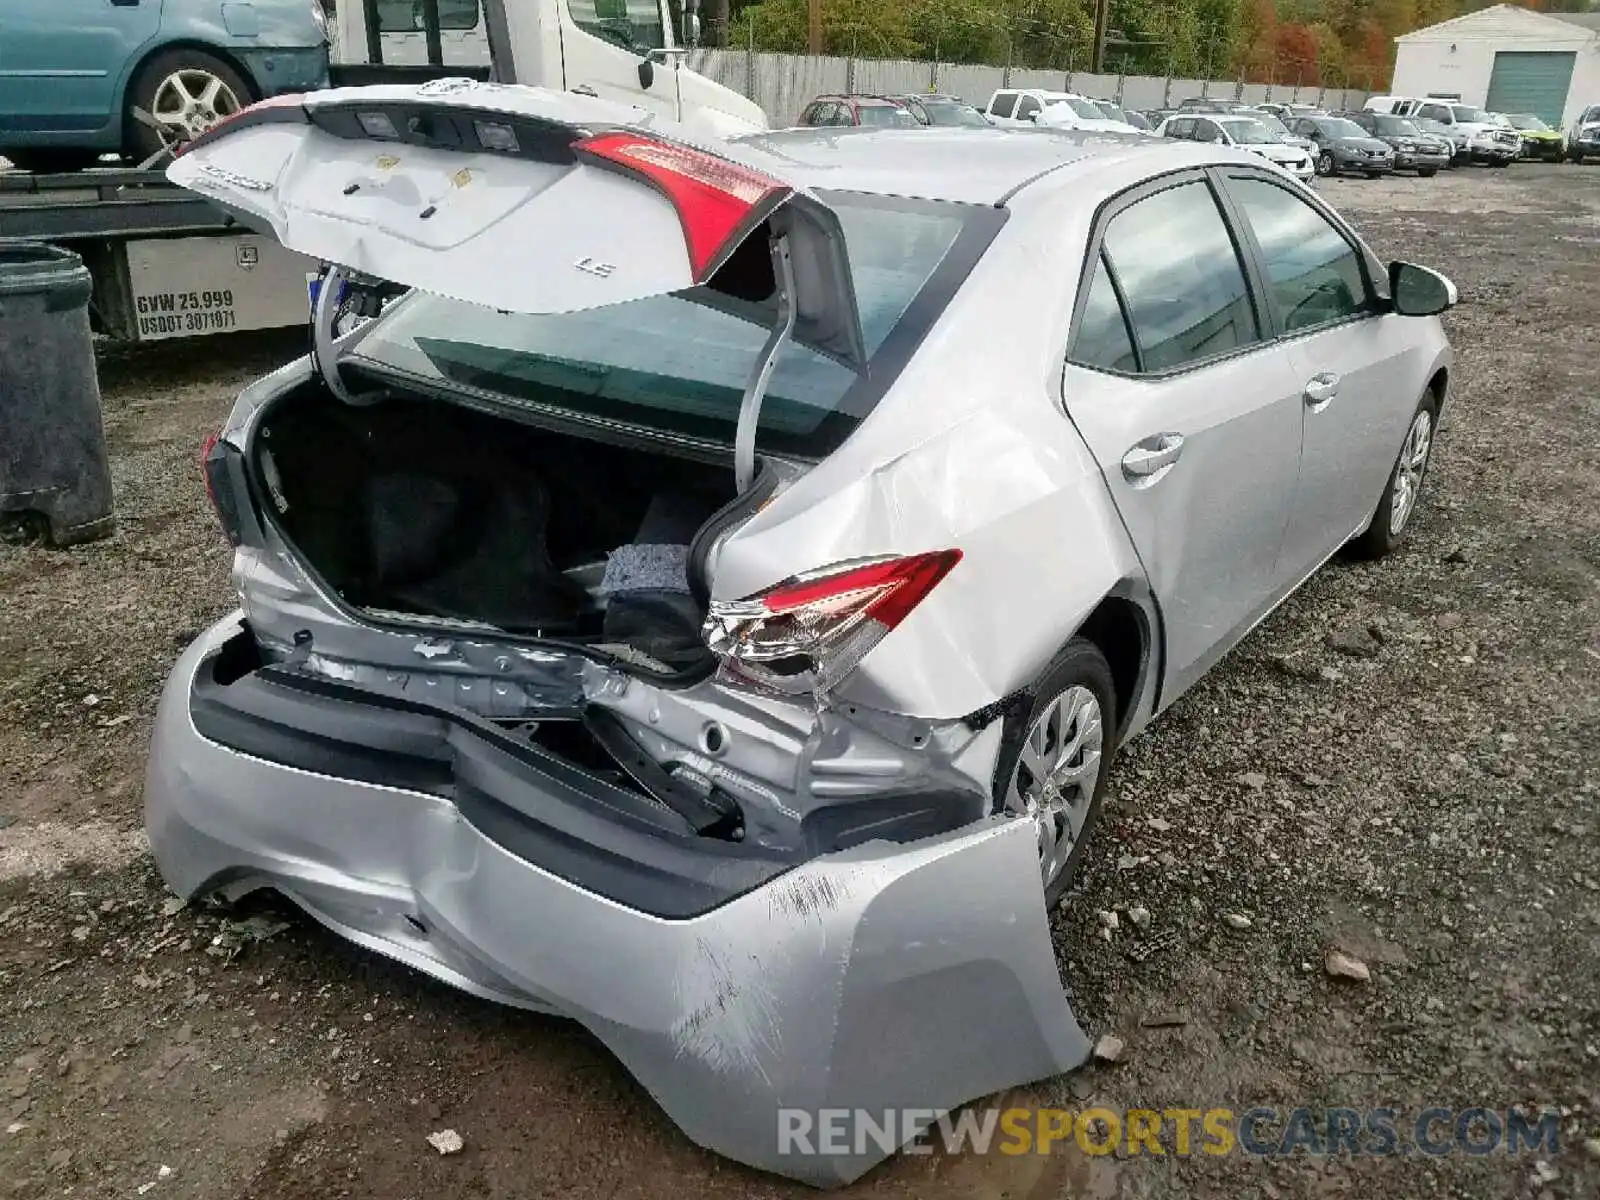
1140, 916
1108, 1049
1237, 920
1254, 780
1354, 640
446, 1141
1344, 966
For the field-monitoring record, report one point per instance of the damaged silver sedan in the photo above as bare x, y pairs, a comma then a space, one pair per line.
705, 601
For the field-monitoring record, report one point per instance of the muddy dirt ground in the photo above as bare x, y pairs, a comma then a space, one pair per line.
1402, 765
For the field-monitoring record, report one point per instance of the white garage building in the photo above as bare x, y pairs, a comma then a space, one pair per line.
1506, 59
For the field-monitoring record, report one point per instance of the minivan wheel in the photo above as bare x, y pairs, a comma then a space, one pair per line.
1055, 758
1404, 488
187, 92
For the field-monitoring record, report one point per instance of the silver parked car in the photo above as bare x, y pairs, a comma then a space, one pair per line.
706, 605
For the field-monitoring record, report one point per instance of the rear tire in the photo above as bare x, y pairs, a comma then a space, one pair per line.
186, 90
1386, 531
50, 161
1325, 164
1077, 681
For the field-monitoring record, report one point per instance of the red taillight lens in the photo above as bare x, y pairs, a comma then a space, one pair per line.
206, 447
826, 621
219, 490
718, 202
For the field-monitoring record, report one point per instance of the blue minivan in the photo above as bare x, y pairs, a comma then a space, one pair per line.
79, 77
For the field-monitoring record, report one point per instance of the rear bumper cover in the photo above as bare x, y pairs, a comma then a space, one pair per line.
884, 977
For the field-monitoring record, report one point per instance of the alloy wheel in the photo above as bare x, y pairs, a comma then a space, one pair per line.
190, 101
1324, 163
1054, 780
1409, 469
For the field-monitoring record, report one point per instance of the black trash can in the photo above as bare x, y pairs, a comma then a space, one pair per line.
54, 479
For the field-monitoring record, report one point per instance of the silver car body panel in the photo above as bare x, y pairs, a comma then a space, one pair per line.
917, 973
828, 987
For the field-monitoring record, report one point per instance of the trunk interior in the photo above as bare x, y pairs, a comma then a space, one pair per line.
417, 507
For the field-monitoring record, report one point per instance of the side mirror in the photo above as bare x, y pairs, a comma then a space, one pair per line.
1033, 116
647, 72
1418, 292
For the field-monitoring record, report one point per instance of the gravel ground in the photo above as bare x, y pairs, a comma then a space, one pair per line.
1401, 766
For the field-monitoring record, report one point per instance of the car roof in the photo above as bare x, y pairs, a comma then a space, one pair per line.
973, 166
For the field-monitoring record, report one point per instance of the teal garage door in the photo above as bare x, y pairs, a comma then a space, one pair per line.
1531, 82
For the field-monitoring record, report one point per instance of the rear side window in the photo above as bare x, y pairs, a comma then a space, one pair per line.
1103, 339
405, 16
1182, 127
1314, 273
676, 366
1180, 273
1003, 104
1438, 112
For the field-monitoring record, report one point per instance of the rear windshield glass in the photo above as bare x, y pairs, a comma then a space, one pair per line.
883, 114
950, 112
1249, 131
677, 366
1394, 126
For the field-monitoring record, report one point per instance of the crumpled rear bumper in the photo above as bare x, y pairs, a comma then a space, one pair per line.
885, 977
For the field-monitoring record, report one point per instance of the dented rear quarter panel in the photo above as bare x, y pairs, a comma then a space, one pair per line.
969, 448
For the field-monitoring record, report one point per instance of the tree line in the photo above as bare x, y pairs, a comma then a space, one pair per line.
1333, 43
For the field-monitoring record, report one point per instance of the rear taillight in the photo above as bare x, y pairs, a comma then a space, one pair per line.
718, 202
824, 622
214, 456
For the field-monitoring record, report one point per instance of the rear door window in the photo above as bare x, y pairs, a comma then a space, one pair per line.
1181, 274
1003, 104
1103, 340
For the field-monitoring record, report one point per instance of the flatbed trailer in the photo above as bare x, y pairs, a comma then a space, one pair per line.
166, 263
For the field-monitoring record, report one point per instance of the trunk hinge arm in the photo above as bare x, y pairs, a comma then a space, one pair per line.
324, 352
744, 438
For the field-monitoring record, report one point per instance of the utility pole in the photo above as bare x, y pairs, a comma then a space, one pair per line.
1102, 13
814, 28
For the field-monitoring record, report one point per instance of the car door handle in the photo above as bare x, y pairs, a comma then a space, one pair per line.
583, 89
1150, 458
1320, 389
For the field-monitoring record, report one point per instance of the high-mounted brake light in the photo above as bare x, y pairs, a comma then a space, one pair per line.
826, 621
288, 107
718, 202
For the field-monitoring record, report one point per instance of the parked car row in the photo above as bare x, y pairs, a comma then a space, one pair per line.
1392, 133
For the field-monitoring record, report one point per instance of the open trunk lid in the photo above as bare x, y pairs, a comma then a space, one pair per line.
531, 201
